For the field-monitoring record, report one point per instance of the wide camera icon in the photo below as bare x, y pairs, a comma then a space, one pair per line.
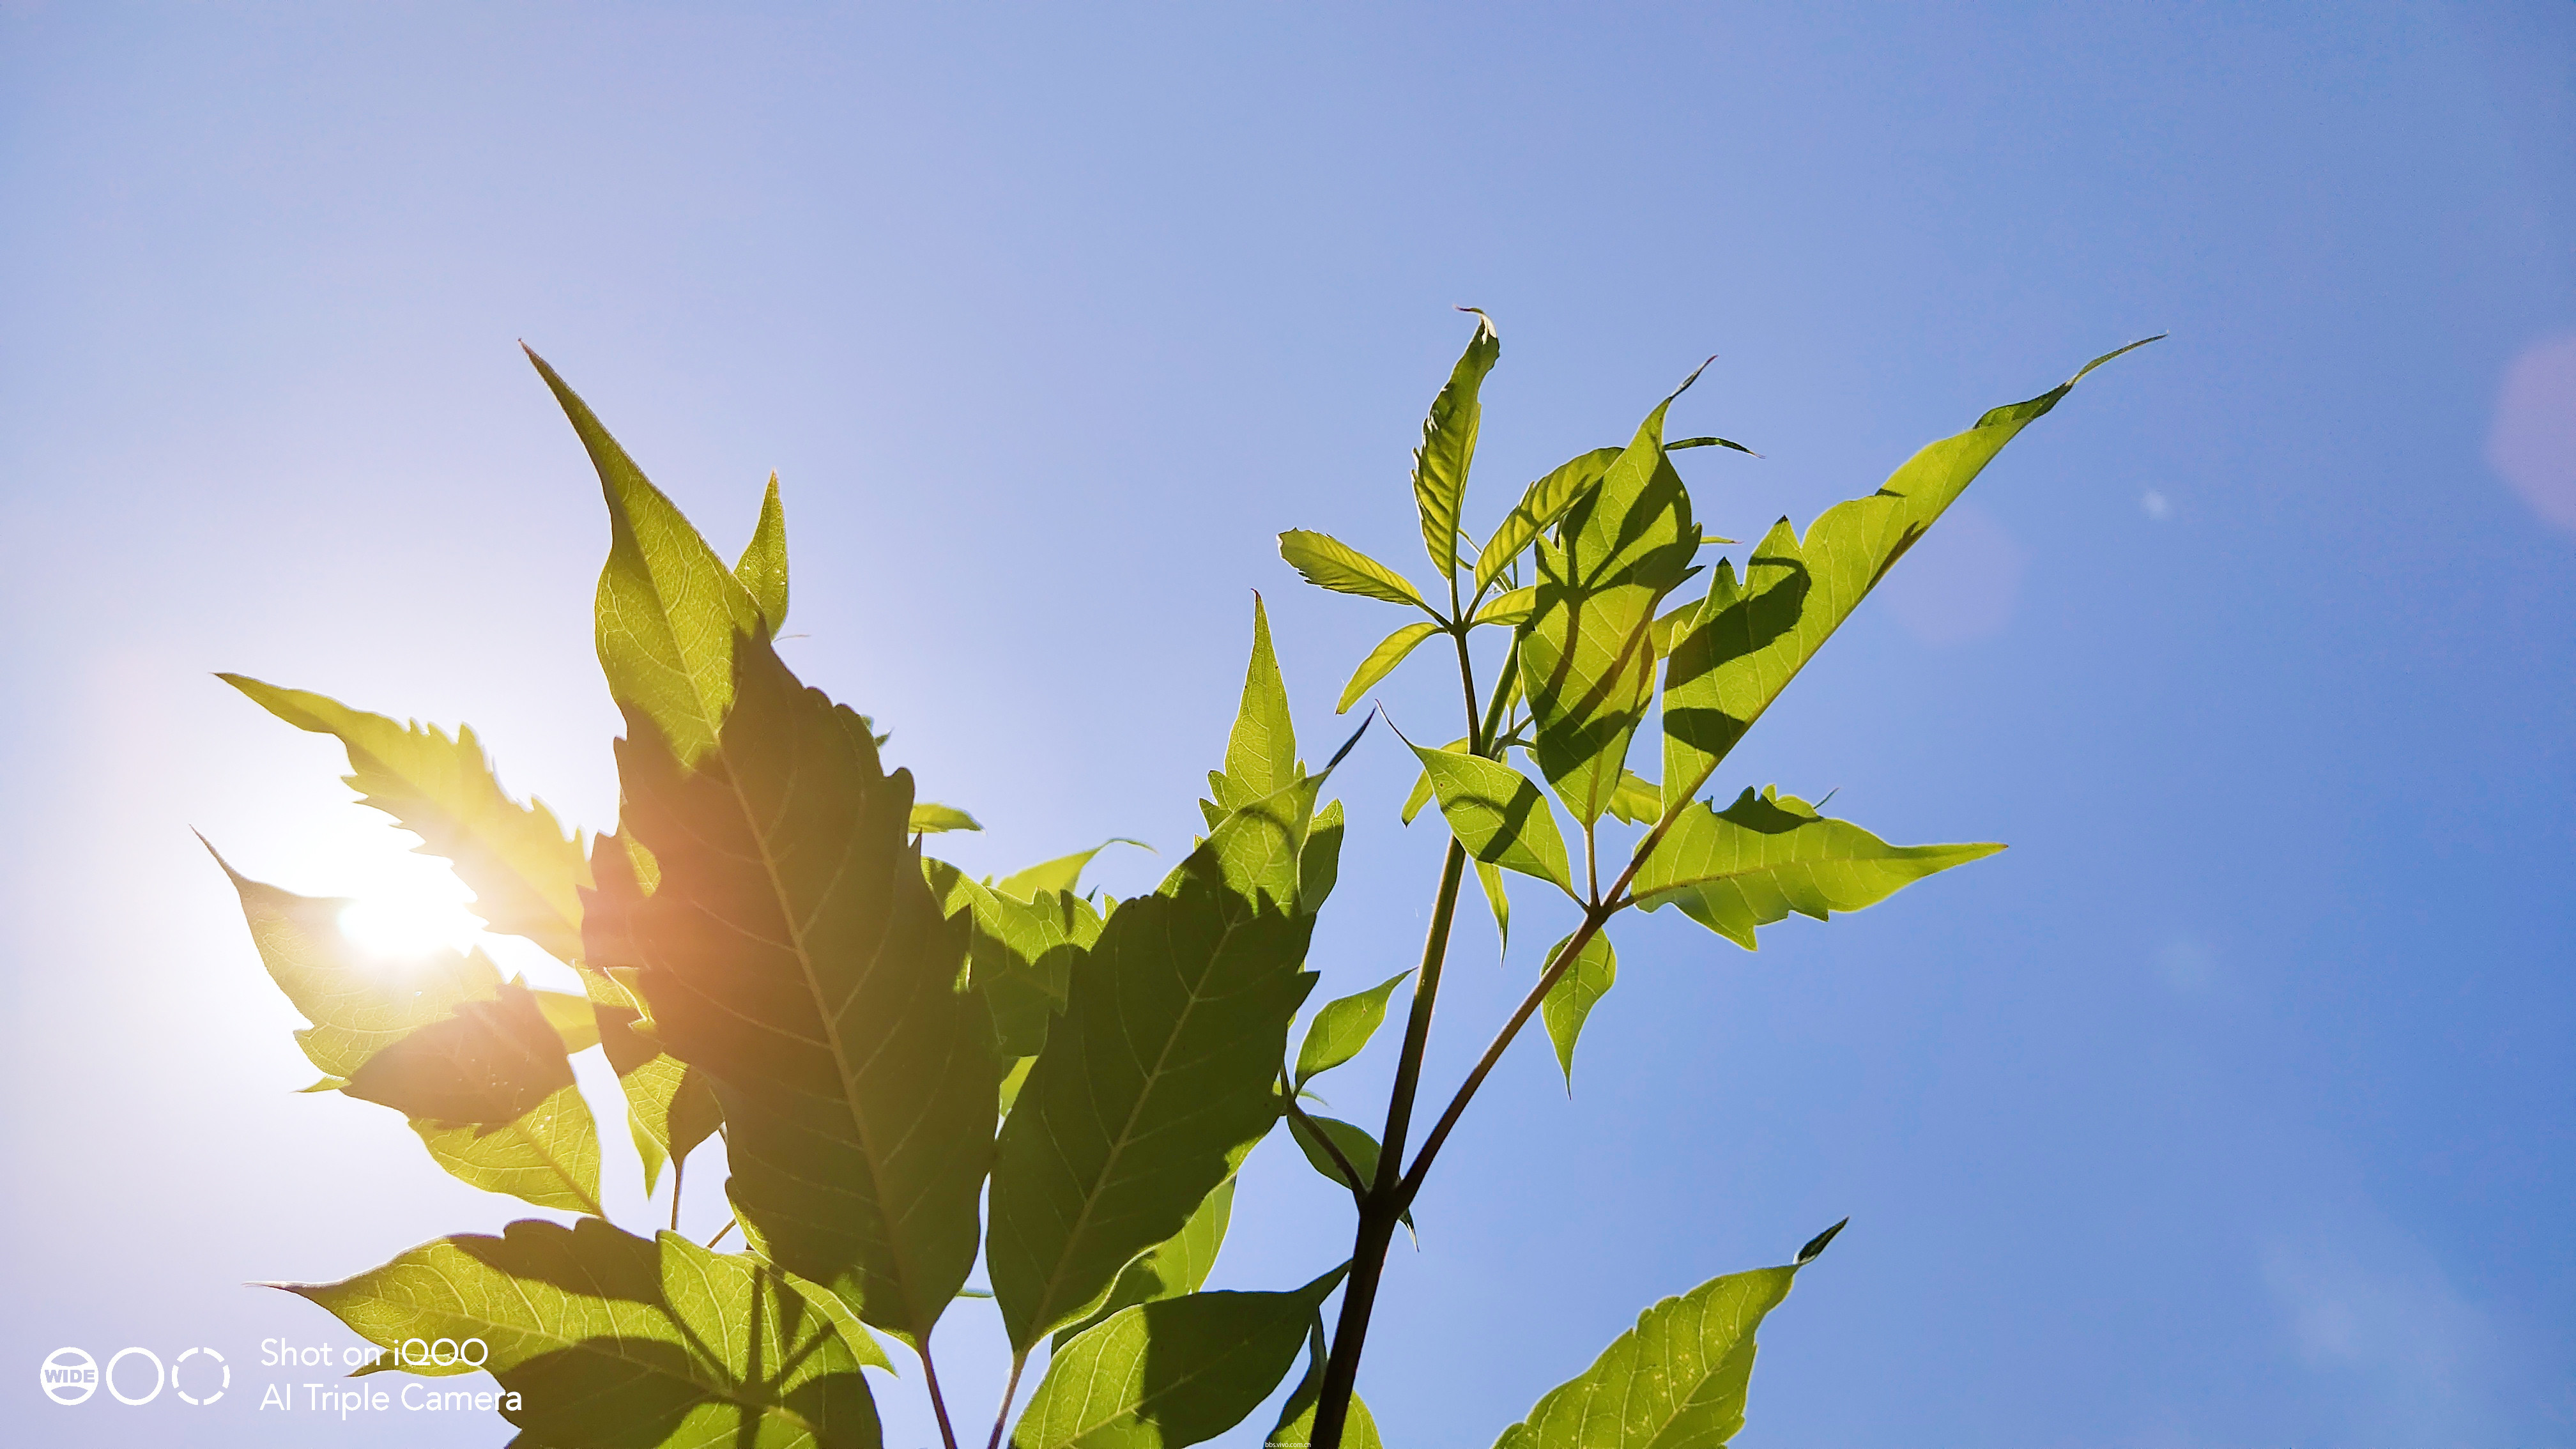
69, 1376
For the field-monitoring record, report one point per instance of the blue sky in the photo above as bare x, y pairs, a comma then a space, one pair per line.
2230, 1107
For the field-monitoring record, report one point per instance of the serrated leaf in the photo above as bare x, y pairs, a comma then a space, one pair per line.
1770, 854
1064, 873
1514, 607
525, 875
1448, 448
1341, 1030
1570, 1001
668, 609
1498, 815
1296, 1426
358, 1006
548, 1155
762, 569
606, 1338
1675, 1381
1587, 658
1157, 1078
1169, 1373
792, 950
1382, 660
1022, 953
1750, 639
1177, 1265
1327, 562
1261, 753
929, 817
489, 1062
1541, 505
670, 1106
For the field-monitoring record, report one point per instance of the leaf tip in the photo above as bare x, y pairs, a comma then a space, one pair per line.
1816, 1245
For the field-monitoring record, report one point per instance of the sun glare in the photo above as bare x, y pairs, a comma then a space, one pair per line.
400, 925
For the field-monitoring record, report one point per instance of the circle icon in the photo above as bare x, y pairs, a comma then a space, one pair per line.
182, 1362
69, 1376
160, 1375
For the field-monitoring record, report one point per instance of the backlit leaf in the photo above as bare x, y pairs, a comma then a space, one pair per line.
1586, 657
792, 950
1498, 815
932, 818
1637, 800
548, 1155
1420, 795
1064, 873
1571, 999
1343, 1027
1448, 448
1675, 1381
1296, 1427
610, 1339
1770, 854
1022, 953
670, 1106
525, 875
1382, 660
1261, 754
1515, 607
668, 609
490, 1062
762, 569
1750, 638
1498, 899
1169, 1373
1177, 1265
1158, 1077
1327, 562
1541, 505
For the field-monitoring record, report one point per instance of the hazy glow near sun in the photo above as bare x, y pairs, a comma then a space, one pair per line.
400, 924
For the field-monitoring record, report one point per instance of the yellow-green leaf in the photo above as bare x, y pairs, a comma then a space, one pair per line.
929, 817
1172, 1372
1448, 448
1570, 1001
1177, 1265
1498, 815
1382, 660
1261, 753
1541, 505
762, 569
1770, 854
1514, 607
1341, 1030
1327, 562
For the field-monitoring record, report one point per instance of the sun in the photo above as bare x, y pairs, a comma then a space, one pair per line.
405, 919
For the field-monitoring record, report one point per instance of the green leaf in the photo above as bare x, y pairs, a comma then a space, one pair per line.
525, 875
670, 1106
1342, 1029
574, 1023
1587, 659
1637, 800
1675, 1381
1158, 1077
1449, 446
1514, 607
599, 1337
931, 818
1749, 640
1489, 877
1064, 873
1022, 953
1382, 660
1329, 563
548, 1155
490, 1062
1261, 754
1177, 1265
792, 950
1296, 1427
1169, 1373
1498, 815
1709, 442
358, 1006
1420, 795
1541, 505
1319, 861
1571, 999
668, 608
762, 569
1769, 854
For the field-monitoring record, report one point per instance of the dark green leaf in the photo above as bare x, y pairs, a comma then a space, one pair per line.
603, 1338
1169, 1373
762, 569
1540, 507
670, 1106
526, 877
1709, 442
1449, 446
1023, 952
1296, 1427
1675, 1381
1343, 1027
1749, 640
794, 952
1177, 1265
1769, 854
1587, 657
668, 608
490, 1062
1498, 815
1327, 562
1571, 999
1382, 660
1158, 1078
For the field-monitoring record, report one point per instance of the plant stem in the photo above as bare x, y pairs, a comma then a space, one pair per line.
1010, 1391
678, 1168
938, 1405
1350, 1173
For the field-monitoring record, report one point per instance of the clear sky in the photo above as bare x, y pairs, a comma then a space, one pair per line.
2231, 1107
